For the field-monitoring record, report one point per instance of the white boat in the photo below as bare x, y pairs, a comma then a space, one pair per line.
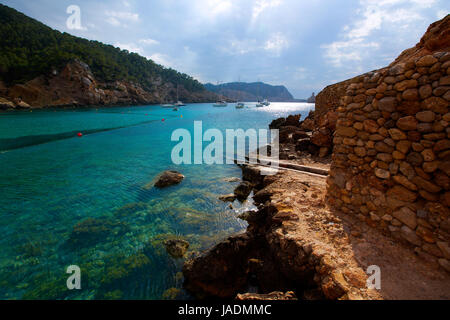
168, 105
266, 102
239, 105
220, 104
179, 103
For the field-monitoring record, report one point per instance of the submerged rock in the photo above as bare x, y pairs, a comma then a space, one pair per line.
176, 247
93, 230
171, 294
131, 208
169, 178
227, 197
231, 179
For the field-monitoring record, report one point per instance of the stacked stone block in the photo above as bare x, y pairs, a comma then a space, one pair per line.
391, 157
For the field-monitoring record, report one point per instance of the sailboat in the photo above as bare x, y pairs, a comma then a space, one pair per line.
259, 104
240, 105
220, 104
179, 103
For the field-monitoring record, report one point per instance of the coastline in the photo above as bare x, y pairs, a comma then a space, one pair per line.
383, 209
298, 247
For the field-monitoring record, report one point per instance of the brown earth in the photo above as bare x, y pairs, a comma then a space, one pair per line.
75, 85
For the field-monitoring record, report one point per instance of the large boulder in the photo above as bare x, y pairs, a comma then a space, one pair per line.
243, 190
169, 178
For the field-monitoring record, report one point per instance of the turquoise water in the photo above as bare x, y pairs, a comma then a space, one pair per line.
67, 200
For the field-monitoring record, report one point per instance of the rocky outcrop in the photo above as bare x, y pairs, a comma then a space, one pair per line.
75, 85
168, 178
279, 252
392, 147
176, 247
312, 99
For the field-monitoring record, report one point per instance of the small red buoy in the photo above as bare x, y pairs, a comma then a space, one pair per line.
163, 120
79, 134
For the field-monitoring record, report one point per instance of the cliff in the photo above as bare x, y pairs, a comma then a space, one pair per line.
240, 91
75, 85
42, 67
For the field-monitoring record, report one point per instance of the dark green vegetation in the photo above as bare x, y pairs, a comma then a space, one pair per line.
29, 48
251, 91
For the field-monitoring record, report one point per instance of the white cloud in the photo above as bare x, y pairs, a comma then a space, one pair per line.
162, 59
149, 42
340, 52
262, 5
117, 18
276, 44
131, 47
397, 17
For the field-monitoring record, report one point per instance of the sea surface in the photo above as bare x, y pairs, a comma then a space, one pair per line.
88, 201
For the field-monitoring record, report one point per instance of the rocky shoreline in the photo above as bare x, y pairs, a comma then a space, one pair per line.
76, 86
314, 237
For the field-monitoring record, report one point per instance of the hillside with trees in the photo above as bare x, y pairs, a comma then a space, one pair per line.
30, 49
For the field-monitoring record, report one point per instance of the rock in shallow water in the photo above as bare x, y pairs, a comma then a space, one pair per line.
227, 197
176, 247
169, 178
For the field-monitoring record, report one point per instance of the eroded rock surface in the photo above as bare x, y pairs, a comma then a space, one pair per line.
169, 178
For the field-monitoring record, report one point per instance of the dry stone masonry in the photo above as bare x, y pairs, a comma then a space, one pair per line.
391, 157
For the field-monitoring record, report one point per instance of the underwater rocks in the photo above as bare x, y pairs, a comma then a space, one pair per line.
93, 230
231, 179
227, 197
131, 208
176, 247
169, 178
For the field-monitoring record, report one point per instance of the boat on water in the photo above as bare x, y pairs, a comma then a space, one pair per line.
220, 104
179, 104
239, 104
266, 102
168, 105
259, 104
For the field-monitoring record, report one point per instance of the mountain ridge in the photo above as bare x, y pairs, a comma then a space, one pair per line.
253, 91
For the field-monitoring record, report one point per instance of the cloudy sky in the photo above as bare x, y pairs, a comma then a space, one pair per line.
302, 44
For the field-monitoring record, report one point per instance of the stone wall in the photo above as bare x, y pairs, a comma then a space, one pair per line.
391, 157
